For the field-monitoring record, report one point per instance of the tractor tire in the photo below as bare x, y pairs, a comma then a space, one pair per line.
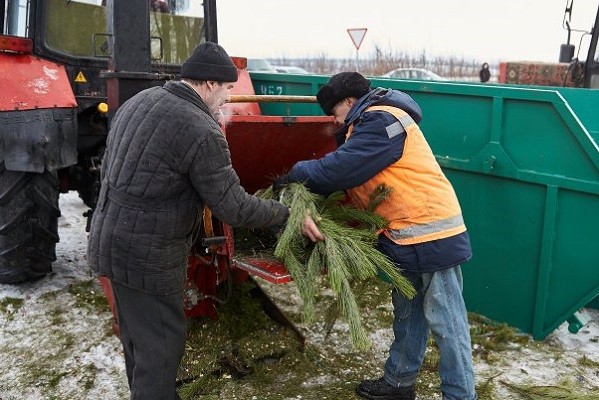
29, 214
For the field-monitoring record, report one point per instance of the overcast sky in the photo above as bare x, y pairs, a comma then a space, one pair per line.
480, 30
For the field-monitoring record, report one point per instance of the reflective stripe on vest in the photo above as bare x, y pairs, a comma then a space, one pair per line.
426, 229
422, 205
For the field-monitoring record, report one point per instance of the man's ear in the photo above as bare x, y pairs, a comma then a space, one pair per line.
211, 84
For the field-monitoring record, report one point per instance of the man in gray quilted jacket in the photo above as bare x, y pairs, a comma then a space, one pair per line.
166, 158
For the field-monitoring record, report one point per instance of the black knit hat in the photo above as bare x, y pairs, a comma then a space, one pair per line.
209, 62
339, 87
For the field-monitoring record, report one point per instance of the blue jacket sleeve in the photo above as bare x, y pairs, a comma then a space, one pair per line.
376, 142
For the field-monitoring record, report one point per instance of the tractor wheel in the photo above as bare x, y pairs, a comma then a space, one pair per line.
28, 224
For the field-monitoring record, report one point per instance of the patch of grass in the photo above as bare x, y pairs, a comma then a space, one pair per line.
56, 315
88, 294
46, 370
88, 379
54, 377
587, 362
49, 369
44, 373
48, 377
10, 306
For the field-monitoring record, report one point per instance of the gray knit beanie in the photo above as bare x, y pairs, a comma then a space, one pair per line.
209, 62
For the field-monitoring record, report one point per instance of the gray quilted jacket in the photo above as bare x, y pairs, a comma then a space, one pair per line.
166, 158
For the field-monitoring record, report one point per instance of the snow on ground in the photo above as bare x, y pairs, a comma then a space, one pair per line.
54, 347
50, 348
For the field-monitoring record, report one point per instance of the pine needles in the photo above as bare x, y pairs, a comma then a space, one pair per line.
553, 392
347, 256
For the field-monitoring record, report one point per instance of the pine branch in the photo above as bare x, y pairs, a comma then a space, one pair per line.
348, 255
378, 196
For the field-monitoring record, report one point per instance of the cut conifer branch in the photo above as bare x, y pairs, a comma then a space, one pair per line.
348, 255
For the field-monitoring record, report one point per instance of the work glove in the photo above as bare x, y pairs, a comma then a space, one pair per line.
281, 182
276, 230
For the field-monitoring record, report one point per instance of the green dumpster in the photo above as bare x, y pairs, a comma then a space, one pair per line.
283, 84
524, 162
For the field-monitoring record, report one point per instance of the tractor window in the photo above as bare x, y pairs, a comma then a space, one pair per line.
85, 34
15, 19
176, 27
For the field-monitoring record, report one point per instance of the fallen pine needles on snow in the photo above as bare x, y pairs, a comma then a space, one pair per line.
566, 391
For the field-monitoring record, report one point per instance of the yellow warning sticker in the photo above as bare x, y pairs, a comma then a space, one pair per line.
80, 78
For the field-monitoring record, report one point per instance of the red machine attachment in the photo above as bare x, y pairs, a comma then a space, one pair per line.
208, 266
262, 147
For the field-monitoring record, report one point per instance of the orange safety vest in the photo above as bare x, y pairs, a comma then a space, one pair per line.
422, 205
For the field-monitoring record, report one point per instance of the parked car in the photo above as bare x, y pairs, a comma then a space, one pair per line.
414, 73
260, 65
290, 69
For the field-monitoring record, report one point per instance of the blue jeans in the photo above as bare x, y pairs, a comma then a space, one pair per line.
438, 305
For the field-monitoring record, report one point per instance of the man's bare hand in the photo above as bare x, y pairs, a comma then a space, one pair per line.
310, 230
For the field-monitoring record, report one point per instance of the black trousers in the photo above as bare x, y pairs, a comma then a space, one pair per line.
153, 333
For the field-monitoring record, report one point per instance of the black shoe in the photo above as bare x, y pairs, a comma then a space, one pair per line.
380, 390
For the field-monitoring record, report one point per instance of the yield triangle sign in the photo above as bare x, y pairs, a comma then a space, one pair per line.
357, 35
